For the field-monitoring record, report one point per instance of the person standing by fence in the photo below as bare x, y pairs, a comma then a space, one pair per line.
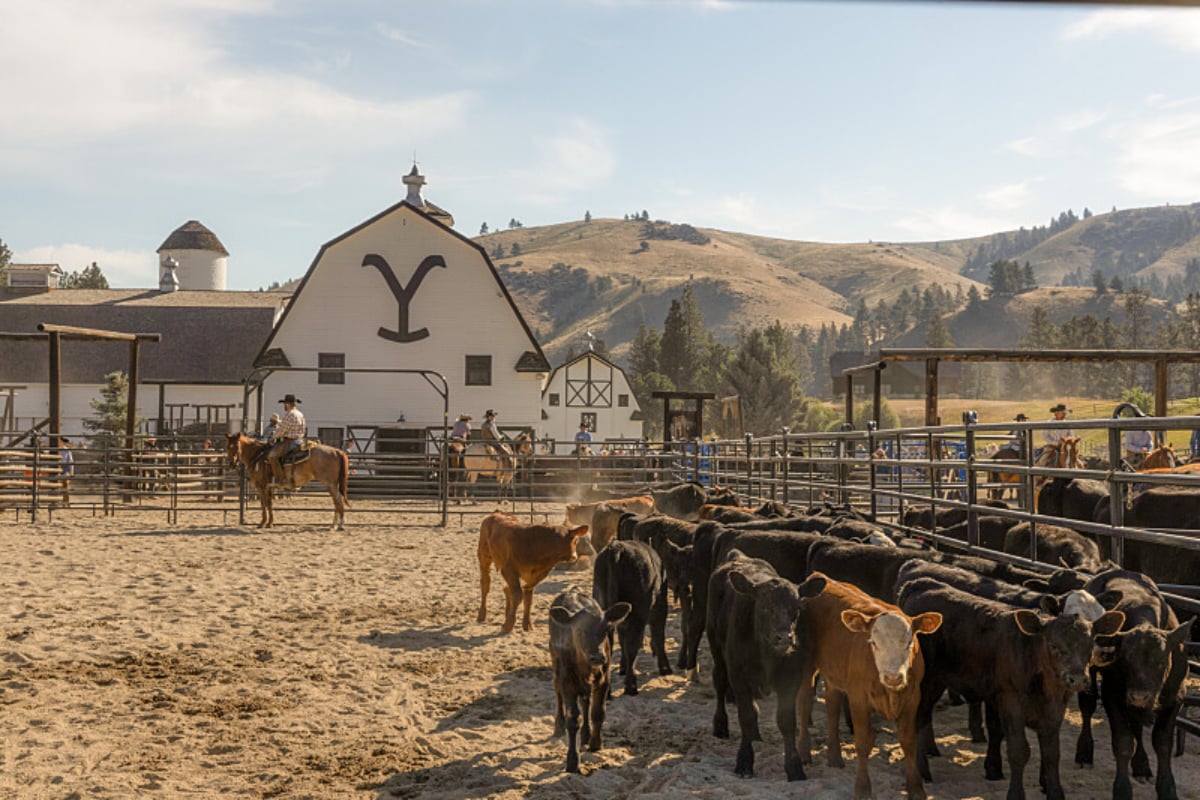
66, 459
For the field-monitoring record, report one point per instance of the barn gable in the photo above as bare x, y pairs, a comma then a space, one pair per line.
589, 388
403, 291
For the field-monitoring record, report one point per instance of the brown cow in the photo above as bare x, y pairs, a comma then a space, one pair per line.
866, 650
523, 555
604, 525
581, 513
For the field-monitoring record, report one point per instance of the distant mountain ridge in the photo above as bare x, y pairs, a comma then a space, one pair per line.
598, 275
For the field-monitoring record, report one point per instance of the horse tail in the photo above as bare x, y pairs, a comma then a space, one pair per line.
344, 477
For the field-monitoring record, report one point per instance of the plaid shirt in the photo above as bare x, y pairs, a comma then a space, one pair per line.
292, 426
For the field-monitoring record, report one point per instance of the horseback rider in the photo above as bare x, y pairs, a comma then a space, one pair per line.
462, 428
288, 436
491, 434
269, 431
1052, 437
1017, 443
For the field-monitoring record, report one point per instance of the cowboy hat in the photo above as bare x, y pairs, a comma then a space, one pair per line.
1059, 407
275, 418
489, 413
291, 398
465, 416
1020, 418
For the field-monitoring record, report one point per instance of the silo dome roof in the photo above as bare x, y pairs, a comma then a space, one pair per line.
193, 236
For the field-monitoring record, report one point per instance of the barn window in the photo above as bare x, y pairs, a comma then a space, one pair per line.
623, 400
479, 370
554, 399
331, 361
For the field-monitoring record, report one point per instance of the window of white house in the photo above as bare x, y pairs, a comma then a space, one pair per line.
623, 400
554, 398
479, 370
331, 361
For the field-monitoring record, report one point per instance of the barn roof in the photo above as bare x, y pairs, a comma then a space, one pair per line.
581, 357
207, 336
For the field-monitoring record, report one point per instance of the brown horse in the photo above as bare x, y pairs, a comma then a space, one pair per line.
1064, 455
1012, 478
326, 464
1160, 458
490, 461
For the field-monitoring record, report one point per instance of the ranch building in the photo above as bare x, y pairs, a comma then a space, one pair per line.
382, 308
590, 390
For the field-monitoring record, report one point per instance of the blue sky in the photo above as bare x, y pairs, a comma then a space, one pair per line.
281, 124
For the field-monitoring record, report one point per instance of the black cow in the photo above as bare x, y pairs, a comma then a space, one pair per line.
854, 530
1141, 670
925, 517
872, 569
1058, 582
992, 530
632, 572
581, 654
786, 551
751, 615
1055, 545
1020, 664
798, 522
1078, 498
625, 525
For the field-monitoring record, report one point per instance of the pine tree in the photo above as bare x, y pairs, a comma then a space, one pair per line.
107, 427
763, 374
5, 257
587, 216
684, 341
90, 277
483, 229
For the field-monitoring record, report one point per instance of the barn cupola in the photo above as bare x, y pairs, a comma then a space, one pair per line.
169, 282
199, 256
414, 180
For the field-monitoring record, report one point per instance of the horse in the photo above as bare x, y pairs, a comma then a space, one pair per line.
1004, 454
490, 461
326, 464
1160, 458
454, 468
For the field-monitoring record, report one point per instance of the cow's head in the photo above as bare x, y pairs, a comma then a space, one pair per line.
677, 563
776, 606
586, 633
1066, 642
1145, 655
572, 539
893, 638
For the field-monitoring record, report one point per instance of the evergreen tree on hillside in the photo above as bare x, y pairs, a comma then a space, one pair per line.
763, 374
483, 229
937, 334
5, 258
645, 377
1099, 282
685, 343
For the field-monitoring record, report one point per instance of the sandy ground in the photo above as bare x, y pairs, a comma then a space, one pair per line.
143, 659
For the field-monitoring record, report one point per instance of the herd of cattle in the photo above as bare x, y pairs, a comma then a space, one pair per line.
887, 623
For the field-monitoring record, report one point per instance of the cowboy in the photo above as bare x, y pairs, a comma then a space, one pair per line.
269, 431
462, 428
1051, 437
1017, 442
490, 433
583, 438
1137, 445
288, 436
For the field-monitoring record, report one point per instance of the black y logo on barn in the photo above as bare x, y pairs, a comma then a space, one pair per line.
403, 294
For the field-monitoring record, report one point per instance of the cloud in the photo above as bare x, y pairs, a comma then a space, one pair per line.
394, 34
157, 80
1160, 159
577, 158
1027, 146
1080, 120
949, 223
1178, 27
1008, 197
123, 268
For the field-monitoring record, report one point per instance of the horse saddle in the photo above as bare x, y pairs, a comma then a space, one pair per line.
300, 454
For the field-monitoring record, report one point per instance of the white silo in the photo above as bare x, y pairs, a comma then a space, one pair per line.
200, 256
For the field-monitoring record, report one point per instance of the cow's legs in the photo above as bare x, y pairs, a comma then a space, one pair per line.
975, 721
1164, 726
560, 716
721, 689
630, 631
527, 599
930, 693
512, 598
993, 763
748, 725
685, 624
1139, 765
804, 704
1012, 720
864, 740
833, 712
785, 718
485, 580
658, 635
1048, 749
906, 729
572, 732
1085, 746
599, 691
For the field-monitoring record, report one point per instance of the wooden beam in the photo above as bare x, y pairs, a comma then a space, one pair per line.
93, 333
1160, 387
877, 407
55, 385
850, 399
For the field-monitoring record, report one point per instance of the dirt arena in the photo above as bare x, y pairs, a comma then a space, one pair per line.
209, 660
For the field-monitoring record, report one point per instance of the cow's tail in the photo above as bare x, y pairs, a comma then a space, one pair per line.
344, 477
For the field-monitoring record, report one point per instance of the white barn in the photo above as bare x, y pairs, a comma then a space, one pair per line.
590, 390
401, 291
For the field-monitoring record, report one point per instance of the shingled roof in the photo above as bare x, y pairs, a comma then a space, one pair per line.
207, 337
193, 236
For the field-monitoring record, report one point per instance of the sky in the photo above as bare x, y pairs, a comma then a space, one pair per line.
281, 124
